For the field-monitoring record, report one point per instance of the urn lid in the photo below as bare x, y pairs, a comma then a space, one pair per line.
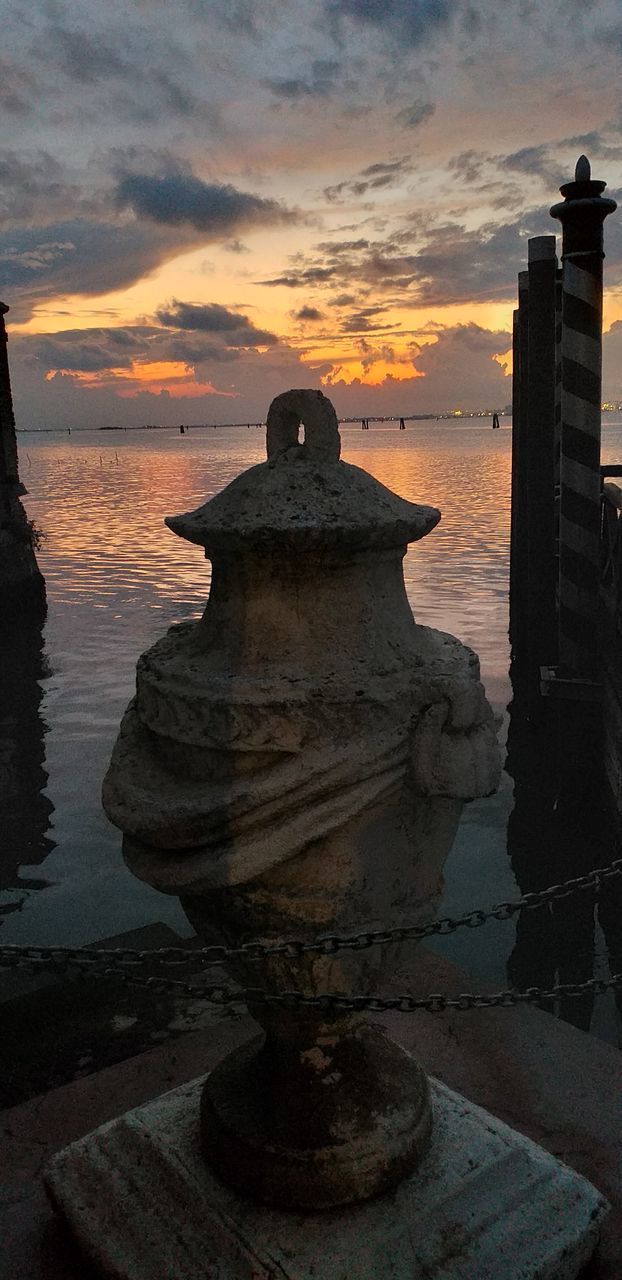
303, 496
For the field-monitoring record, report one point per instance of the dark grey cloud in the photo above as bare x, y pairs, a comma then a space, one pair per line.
539, 161
411, 22
81, 256
364, 320
17, 86
212, 318
342, 246
239, 16
34, 188
477, 265
216, 209
428, 265
551, 162
82, 57
133, 71
309, 275
89, 61
376, 176
188, 333
86, 350
235, 246
145, 97
385, 168
463, 356
310, 314
321, 82
469, 165
138, 157
416, 114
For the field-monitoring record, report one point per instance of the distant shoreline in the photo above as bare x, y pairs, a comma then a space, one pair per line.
221, 426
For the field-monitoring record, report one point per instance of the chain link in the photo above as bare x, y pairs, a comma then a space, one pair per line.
80, 961
332, 1001
292, 948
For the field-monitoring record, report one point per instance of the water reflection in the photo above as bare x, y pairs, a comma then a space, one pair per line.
25, 809
559, 830
116, 578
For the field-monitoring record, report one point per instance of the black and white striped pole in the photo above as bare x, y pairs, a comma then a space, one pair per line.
582, 214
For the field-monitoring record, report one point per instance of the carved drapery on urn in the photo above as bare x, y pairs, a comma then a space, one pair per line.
296, 762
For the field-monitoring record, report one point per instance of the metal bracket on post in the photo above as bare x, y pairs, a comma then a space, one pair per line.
553, 684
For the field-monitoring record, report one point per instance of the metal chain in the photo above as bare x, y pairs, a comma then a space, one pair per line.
332, 1001
327, 944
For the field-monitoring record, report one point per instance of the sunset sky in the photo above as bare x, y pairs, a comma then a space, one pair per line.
205, 202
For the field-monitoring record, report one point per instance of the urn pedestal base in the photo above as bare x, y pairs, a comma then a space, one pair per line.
484, 1202
317, 1123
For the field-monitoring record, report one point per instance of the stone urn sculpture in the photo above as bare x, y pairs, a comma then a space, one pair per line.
295, 764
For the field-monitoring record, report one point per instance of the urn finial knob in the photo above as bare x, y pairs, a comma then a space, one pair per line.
319, 420
583, 170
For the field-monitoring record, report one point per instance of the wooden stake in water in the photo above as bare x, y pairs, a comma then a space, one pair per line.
581, 213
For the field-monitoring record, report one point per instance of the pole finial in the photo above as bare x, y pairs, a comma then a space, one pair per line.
583, 170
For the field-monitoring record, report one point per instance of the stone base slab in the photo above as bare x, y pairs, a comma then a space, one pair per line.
485, 1203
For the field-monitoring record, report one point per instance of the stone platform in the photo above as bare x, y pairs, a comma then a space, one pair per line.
544, 1078
485, 1202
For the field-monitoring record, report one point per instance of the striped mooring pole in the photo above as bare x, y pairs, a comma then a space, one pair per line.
582, 213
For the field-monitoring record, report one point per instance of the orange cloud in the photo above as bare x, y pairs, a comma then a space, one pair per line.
172, 376
371, 375
505, 361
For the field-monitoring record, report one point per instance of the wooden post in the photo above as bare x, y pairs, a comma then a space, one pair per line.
21, 583
515, 446
581, 213
558, 394
519, 584
540, 459
9, 476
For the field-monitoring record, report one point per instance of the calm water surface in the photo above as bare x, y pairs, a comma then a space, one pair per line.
117, 578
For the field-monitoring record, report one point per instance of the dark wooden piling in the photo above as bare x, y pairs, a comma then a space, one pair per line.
9, 475
515, 427
22, 588
519, 581
558, 393
581, 213
540, 459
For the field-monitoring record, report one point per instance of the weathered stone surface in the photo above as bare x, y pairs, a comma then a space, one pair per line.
485, 1204
296, 763
316, 1144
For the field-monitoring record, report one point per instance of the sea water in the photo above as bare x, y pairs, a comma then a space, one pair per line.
117, 578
